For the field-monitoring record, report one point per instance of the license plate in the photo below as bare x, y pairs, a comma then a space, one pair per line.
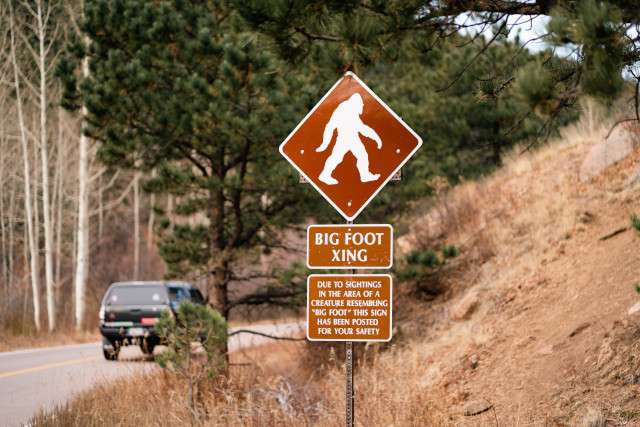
135, 332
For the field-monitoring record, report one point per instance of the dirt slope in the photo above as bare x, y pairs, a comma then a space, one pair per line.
543, 332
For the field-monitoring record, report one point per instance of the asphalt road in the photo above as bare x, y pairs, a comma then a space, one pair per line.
36, 379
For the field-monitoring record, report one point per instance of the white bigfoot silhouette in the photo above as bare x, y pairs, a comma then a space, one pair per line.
346, 120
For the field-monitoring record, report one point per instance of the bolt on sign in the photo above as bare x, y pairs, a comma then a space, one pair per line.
350, 145
350, 246
349, 307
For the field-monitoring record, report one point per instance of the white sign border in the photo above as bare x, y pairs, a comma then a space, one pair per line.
365, 204
350, 339
327, 267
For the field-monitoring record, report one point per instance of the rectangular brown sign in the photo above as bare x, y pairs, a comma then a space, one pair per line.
349, 307
350, 246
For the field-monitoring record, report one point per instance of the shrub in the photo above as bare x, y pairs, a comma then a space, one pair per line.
422, 267
193, 323
412, 258
426, 258
635, 222
409, 272
450, 251
429, 259
417, 264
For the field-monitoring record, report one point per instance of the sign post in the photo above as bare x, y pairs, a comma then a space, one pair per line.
351, 394
350, 400
348, 147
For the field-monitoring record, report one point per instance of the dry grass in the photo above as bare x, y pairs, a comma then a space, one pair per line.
529, 238
529, 248
528, 194
267, 387
10, 342
249, 397
157, 399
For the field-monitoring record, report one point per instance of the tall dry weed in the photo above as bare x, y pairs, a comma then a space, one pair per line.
253, 398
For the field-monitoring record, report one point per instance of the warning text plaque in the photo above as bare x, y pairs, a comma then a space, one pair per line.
349, 307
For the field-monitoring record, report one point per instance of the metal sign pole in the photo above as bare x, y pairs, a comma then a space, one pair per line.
350, 393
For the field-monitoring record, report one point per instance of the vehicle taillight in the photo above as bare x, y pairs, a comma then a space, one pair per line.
148, 320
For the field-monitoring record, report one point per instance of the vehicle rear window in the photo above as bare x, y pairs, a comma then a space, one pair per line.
137, 295
196, 296
177, 294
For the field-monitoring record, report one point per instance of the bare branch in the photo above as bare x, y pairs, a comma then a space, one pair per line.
274, 337
475, 57
118, 200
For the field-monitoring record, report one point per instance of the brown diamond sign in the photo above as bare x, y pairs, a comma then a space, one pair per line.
350, 145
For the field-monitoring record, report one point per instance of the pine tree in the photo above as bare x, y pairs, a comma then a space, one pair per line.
595, 31
468, 113
184, 89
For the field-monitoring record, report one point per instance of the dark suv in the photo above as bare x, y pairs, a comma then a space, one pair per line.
129, 311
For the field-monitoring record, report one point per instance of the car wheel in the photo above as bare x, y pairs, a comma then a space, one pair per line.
110, 350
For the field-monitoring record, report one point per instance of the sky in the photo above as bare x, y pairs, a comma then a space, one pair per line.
531, 30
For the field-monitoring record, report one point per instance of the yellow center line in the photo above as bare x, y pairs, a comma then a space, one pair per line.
47, 366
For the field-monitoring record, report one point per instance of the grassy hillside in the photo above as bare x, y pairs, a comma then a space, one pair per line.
535, 320
530, 327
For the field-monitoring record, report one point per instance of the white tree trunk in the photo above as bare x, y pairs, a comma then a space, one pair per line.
44, 157
100, 210
152, 217
12, 203
35, 185
59, 196
3, 226
33, 253
82, 237
136, 226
